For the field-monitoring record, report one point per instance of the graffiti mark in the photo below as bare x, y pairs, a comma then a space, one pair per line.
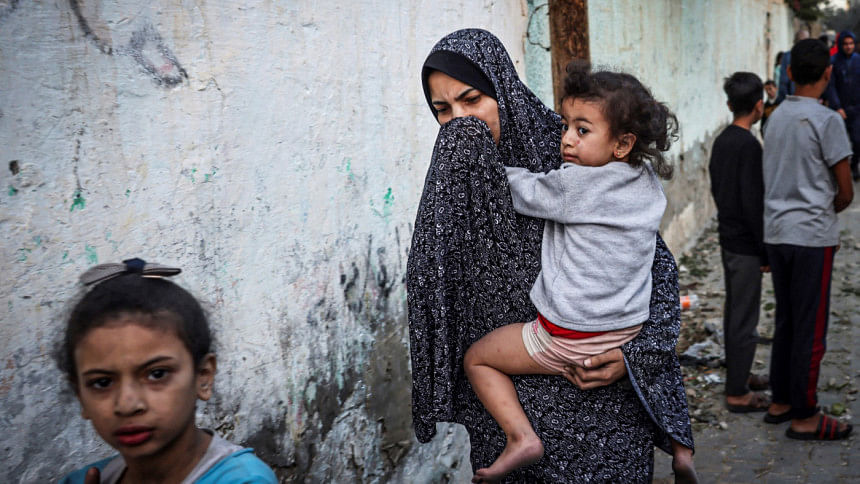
207, 177
127, 192
12, 191
146, 47
387, 203
78, 201
23, 253
92, 256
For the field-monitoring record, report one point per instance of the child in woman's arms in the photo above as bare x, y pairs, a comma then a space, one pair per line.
602, 208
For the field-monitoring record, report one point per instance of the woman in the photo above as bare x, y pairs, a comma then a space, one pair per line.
471, 266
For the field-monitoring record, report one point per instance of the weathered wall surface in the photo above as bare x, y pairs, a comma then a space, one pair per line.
683, 50
275, 151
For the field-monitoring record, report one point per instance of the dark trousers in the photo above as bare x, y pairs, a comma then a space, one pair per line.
801, 283
740, 317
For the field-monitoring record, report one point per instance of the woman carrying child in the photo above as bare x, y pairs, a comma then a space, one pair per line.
137, 352
602, 208
472, 264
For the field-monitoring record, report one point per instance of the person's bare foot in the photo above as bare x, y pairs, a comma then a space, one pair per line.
684, 471
682, 464
517, 454
810, 424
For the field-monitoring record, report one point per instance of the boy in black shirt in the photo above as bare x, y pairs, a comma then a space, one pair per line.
738, 189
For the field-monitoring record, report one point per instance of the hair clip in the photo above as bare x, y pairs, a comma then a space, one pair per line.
103, 272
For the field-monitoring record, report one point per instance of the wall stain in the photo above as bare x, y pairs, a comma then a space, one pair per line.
78, 201
146, 47
12, 191
387, 204
8, 9
92, 256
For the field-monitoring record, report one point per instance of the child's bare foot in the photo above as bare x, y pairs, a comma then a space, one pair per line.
685, 473
516, 454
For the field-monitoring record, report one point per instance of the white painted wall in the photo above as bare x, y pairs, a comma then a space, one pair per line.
683, 50
281, 171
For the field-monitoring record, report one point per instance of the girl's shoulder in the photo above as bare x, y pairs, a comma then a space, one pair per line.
241, 466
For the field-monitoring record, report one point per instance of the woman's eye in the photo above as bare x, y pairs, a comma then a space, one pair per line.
158, 374
473, 99
99, 383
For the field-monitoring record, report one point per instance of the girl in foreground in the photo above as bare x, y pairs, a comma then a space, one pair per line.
602, 209
136, 351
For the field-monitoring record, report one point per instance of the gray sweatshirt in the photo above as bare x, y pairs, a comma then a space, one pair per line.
598, 241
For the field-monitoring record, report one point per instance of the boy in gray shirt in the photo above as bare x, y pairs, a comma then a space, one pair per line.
807, 180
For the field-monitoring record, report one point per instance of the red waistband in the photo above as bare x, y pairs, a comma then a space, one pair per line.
560, 332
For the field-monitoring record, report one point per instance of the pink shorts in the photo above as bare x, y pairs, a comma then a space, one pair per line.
555, 353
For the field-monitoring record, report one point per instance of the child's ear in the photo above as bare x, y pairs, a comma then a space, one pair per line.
624, 145
206, 376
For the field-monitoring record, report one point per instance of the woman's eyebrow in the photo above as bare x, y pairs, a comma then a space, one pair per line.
465, 93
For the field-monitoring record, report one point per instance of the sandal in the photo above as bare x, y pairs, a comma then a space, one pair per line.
828, 429
758, 403
777, 419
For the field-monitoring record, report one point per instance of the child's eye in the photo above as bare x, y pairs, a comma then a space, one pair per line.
564, 128
99, 383
581, 131
158, 374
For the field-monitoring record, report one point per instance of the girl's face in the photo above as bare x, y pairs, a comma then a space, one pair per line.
586, 137
455, 99
138, 385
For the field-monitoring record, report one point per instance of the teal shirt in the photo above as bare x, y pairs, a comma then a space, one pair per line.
240, 467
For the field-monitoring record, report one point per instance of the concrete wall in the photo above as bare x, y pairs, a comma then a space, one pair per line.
683, 50
276, 151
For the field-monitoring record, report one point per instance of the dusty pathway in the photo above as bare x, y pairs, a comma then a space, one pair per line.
740, 448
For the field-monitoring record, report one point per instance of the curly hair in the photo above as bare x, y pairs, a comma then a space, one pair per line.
629, 107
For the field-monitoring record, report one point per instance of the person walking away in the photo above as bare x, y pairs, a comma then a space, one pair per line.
738, 190
807, 180
844, 92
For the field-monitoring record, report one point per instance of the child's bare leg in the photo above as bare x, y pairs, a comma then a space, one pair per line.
487, 364
682, 464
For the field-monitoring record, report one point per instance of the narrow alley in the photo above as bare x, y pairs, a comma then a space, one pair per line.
742, 448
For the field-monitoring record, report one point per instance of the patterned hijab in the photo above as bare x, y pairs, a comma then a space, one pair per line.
530, 131
471, 265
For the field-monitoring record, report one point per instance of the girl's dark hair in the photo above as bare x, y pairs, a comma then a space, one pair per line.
629, 108
161, 304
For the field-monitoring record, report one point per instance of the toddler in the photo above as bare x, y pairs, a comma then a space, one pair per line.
602, 209
137, 351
